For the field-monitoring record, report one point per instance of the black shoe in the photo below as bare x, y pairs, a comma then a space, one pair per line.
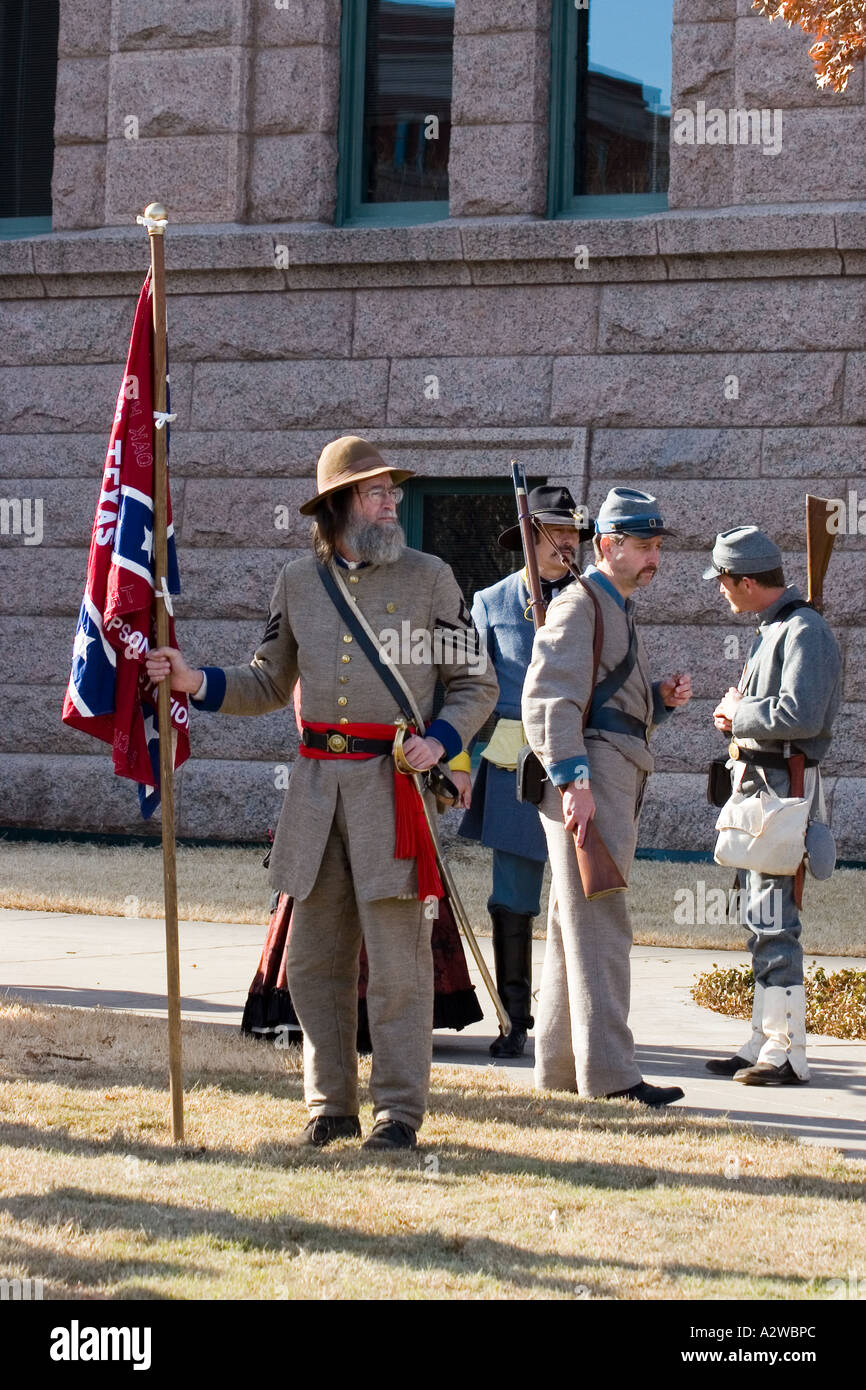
765, 1074
726, 1066
323, 1129
391, 1134
648, 1095
512, 1046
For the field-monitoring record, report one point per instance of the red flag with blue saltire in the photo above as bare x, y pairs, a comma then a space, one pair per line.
109, 694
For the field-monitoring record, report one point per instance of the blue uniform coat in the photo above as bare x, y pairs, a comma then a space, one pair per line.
496, 817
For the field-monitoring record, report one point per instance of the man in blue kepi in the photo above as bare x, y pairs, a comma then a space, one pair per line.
512, 828
592, 737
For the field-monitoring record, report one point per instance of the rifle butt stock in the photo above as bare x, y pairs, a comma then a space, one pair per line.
599, 875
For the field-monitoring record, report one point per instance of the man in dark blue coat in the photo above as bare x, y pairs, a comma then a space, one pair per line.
512, 828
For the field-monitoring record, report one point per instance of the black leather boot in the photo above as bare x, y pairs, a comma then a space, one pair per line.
512, 953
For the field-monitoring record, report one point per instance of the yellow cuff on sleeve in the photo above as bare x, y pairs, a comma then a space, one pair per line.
462, 763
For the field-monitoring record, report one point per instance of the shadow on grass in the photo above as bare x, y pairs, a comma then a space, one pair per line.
91, 1273
455, 1161
289, 1236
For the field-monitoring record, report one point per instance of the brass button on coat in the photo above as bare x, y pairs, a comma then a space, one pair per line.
344, 721
347, 637
353, 579
342, 700
345, 659
390, 608
344, 680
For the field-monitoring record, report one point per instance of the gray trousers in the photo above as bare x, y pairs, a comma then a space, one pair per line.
769, 912
583, 1042
322, 967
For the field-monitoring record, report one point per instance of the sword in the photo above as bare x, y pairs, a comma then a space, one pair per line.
451, 894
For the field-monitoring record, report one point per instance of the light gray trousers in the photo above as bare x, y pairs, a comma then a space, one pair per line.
582, 1039
322, 968
771, 915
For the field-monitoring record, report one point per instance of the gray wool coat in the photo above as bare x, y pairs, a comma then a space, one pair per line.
792, 682
558, 684
306, 640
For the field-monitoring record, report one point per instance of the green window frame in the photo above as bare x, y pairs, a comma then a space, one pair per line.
562, 202
11, 228
352, 211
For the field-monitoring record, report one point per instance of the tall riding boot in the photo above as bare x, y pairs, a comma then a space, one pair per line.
512, 952
747, 1055
782, 1059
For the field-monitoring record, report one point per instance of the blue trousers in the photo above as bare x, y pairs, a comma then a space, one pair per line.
516, 883
769, 911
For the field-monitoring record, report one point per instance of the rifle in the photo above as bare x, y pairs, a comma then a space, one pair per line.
819, 544
599, 874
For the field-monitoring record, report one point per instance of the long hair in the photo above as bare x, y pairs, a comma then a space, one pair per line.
329, 522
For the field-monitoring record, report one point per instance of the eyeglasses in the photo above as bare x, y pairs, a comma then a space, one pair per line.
378, 494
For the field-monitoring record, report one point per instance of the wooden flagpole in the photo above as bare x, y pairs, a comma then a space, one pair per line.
155, 222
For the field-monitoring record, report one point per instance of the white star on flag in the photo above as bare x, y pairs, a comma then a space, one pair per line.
82, 642
148, 543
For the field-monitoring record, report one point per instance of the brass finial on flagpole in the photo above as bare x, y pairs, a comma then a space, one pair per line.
156, 213
154, 220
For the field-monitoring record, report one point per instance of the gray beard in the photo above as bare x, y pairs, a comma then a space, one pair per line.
375, 542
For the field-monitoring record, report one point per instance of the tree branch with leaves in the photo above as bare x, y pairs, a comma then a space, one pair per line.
839, 30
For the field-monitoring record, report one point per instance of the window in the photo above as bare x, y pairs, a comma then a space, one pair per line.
460, 519
395, 111
610, 107
28, 78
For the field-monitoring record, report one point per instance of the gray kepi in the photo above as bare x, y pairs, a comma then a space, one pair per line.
627, 512
743, 550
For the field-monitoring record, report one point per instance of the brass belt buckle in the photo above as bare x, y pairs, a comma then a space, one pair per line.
337, 743
734, 749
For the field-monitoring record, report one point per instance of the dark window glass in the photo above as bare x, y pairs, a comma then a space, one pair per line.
462, 528
407, 95
28, 79
623, 97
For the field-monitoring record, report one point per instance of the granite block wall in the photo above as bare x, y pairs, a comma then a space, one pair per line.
713, 354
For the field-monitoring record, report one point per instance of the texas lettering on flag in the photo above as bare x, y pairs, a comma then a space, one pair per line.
109, 694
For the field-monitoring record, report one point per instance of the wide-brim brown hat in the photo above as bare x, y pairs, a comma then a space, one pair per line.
345, 462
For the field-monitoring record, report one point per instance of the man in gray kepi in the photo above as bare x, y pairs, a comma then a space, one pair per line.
594, 744
783, 707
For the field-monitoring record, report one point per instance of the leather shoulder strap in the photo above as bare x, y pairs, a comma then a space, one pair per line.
615, 679
597, 644
789, 608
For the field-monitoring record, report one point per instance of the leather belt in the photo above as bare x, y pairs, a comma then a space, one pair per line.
616, 721
335, 741
759, 758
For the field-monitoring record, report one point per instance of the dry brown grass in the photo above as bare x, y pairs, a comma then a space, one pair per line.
515, 1195
230, 885
835, 999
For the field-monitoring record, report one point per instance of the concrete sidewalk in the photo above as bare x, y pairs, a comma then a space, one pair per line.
119, 963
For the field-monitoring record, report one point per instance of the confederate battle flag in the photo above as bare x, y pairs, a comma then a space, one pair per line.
109, 694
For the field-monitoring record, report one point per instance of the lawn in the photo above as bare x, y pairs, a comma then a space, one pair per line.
229, 885
513, 1195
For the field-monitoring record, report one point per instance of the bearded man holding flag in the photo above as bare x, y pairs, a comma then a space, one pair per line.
352, 847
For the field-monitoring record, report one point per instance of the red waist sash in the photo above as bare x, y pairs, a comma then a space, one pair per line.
412, 839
